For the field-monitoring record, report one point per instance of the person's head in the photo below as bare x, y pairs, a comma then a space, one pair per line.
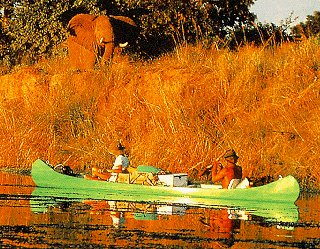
117, 149
120, 149
231, 156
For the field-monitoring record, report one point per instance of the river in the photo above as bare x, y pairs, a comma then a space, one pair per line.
30, 221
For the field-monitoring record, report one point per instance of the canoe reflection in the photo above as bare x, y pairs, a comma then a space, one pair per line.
275, 212
217, 224
118, 211
106, 221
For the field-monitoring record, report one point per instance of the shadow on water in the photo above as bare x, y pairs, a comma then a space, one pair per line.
38, 218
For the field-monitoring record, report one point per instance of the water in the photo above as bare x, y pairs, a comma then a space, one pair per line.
30, 221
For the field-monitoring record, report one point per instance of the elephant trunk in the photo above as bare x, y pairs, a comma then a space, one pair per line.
103, 32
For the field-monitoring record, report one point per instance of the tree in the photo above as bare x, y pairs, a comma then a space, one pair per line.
310, 27
268, 34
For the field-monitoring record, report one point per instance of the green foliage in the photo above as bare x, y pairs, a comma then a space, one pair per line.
36, 27
168, 22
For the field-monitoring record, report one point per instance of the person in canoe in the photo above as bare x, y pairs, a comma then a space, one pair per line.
120, 165
227, 174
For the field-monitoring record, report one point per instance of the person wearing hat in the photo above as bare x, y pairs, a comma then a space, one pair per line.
228, 172
120, 165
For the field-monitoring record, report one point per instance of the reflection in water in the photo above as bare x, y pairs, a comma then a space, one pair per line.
280, 212
31, 220
219, 225
155, 221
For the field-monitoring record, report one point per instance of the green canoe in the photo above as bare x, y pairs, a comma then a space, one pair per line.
285, 190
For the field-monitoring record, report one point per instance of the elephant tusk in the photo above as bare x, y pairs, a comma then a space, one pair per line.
122, 45
105, 42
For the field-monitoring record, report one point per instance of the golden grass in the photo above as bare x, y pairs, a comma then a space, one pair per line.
178, 112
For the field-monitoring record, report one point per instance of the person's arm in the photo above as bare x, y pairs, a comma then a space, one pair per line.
205, 170
216, 176
117, 165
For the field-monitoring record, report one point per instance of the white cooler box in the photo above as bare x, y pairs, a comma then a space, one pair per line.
174, 180
169, 210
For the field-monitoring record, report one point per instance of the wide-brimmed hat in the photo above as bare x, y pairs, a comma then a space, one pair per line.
231, 153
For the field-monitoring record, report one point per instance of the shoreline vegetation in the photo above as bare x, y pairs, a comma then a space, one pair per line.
178, 112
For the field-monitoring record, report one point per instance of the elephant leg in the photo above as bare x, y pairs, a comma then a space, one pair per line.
80, 57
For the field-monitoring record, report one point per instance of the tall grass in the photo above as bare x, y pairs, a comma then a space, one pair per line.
179, 112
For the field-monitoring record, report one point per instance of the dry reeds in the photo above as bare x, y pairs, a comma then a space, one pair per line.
179, 112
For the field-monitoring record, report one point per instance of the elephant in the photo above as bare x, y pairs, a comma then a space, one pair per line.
93, 39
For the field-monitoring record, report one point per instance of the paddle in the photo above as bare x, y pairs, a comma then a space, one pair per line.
209, 166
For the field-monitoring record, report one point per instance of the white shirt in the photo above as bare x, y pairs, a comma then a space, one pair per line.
121, 160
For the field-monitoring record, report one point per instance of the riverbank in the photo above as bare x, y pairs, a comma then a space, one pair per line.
179, 112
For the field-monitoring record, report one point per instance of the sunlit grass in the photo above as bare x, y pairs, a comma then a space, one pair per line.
178, 112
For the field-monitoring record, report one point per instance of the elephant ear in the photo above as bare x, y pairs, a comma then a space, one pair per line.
124, 19
81, 30
124, 28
